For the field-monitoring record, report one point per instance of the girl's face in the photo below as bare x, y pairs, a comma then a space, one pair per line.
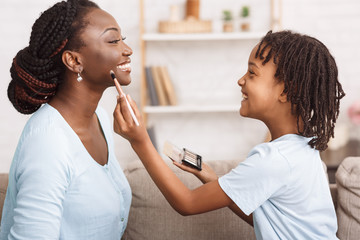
260, 89
104, 50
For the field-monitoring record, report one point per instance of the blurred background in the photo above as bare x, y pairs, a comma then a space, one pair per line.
203, 70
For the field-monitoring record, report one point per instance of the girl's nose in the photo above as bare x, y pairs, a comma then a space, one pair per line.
241, 81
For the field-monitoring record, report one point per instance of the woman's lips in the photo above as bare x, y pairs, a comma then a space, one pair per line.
124, 67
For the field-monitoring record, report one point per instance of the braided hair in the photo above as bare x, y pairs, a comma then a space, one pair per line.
37, 70
310, 76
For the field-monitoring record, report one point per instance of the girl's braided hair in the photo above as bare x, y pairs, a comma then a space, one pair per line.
37, 70
310, 75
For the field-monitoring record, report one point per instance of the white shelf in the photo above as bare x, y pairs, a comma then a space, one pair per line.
202, 36
191, 109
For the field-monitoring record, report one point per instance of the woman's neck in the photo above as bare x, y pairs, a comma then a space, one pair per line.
76, 103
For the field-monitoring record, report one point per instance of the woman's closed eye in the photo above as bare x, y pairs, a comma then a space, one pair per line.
115, 41
118, 40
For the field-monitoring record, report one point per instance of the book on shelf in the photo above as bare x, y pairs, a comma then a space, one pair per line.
168, 86
155, 70
151, 87
160, 87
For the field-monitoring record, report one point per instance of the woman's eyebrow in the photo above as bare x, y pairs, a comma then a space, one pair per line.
110, 29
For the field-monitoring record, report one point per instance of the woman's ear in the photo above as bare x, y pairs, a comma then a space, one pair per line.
72, 61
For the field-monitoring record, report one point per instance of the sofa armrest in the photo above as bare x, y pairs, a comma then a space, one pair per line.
348, 198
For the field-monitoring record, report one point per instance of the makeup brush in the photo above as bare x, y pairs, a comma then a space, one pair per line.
121, 92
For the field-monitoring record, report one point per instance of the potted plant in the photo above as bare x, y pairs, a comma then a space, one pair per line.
244, 15
228, 21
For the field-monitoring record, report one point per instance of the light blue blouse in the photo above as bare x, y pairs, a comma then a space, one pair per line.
57, 190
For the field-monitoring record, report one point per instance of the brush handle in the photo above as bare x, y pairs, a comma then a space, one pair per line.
131, 112
120, 91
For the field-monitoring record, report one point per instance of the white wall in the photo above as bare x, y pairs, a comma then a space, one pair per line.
334, 22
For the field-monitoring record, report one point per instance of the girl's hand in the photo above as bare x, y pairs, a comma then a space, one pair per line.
205, 175
124, 125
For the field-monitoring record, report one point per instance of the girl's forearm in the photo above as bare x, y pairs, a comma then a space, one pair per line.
175, 192
185, 201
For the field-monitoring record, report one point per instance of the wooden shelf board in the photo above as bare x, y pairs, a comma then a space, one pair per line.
202, 36
190, 109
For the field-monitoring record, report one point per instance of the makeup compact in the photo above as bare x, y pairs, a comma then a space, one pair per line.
182, 155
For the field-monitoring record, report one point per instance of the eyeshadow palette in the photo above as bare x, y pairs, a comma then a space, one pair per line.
182, 155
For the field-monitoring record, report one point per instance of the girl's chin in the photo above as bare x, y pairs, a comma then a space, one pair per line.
242, 111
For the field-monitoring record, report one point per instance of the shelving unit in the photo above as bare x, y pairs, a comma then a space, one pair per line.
209, 99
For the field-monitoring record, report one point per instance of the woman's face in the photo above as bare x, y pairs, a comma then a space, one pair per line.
260, 89
104, 50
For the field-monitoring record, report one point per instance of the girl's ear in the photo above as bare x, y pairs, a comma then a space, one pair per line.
283, 97
72, 61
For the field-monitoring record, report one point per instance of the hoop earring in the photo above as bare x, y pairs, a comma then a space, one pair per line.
79, 78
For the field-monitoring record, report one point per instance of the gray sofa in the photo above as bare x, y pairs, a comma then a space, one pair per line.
151, 217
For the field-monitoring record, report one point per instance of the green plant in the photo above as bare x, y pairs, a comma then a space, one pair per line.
245, 11
227, 14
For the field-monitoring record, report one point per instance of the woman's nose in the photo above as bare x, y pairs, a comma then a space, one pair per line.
127, 51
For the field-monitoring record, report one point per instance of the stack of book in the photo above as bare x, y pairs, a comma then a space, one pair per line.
160, 87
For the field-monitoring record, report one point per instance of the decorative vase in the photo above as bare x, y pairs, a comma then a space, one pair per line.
192, 9
228, 27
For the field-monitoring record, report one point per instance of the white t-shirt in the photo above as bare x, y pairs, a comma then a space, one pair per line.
284, 185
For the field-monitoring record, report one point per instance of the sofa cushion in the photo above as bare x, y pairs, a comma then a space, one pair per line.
151, 216
348, 209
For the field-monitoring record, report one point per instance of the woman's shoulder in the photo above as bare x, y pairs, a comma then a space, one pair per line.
46, 118
45, 128
44, 143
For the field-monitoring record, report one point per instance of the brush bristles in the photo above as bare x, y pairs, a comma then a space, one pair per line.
112, 74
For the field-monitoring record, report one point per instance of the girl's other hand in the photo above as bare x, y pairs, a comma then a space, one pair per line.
124, 125
206, 175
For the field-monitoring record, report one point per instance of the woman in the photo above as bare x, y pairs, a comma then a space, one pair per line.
65, 181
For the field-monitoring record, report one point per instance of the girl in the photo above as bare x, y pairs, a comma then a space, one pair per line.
65, 181
281, 188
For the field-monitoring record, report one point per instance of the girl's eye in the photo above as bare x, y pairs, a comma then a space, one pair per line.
115, 41
123, 38
251, 72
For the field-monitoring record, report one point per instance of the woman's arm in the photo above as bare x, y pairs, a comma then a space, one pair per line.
38, 187
207, 197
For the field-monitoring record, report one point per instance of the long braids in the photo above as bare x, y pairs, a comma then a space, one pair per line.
37, 70
310, 76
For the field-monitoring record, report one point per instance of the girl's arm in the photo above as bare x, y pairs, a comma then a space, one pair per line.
207, 197
206, 175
